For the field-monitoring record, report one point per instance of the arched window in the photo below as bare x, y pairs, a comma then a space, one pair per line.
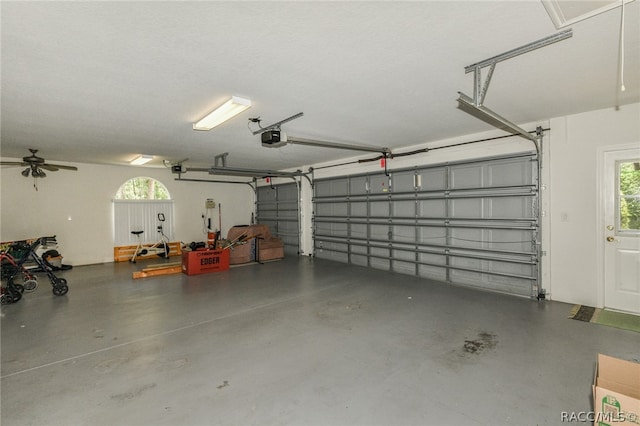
136, 207
143, 188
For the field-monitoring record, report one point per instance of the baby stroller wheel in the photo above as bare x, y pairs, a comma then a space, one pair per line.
10, 296
58, 282
19, 287
30, 285
60, 290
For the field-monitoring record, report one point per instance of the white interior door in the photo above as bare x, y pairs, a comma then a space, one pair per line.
621, 231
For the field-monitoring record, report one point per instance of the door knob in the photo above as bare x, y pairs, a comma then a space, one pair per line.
611, 239
610, 227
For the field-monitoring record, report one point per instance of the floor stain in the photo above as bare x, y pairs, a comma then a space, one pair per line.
172, 364
133, 393
337, 314
224, 384
484, 341
109, 365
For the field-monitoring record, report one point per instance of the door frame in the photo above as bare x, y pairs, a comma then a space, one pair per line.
603, 182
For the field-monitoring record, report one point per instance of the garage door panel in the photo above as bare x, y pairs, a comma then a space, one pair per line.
432, 272
403, 209
511, 172
358, 231
379, 259
331, 209
432, 179
404, 233
358, 209
359, 247
432, 235
379, 232
360, 259
379, 209
333, 229
465, 238
432, 208
408, 268
471, 222
358, 185
378, 184
267, 195
466, 176
511, 240
403, 181
509, 207
278, 207
288, 214
466, 208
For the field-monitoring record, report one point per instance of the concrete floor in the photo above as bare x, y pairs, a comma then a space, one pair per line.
294, 342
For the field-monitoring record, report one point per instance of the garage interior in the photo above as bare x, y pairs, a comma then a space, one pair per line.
439, 195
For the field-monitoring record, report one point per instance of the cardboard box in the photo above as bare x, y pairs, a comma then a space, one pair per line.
271, 253
204, 261
616, 392
270, 249
243, 253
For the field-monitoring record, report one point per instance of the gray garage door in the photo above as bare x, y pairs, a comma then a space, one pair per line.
277, 207
470, 222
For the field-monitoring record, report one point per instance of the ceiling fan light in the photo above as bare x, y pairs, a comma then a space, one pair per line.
25, 172
226, 111
39, 173
141, 159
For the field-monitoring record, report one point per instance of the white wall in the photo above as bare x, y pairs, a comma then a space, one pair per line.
575, 149
77, 207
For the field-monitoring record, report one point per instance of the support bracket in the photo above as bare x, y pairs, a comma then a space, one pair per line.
222, 159
480, 89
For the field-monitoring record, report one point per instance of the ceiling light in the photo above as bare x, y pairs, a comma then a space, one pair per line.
141, 159
226, 111
26, 171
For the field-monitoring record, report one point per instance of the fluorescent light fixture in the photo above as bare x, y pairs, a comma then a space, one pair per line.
141, 159
226, 111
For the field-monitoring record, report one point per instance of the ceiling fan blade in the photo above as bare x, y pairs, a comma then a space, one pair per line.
13, 163
49, 167
57, 166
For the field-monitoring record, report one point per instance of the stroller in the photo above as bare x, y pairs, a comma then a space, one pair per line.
13, 268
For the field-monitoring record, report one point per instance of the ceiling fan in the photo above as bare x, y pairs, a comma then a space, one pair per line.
35, 165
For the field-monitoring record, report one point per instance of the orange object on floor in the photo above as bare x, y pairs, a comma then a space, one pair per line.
204, 261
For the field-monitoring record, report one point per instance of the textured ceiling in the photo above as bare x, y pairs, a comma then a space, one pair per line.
101, 82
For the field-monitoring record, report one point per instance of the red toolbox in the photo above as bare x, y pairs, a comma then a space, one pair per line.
204, 261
